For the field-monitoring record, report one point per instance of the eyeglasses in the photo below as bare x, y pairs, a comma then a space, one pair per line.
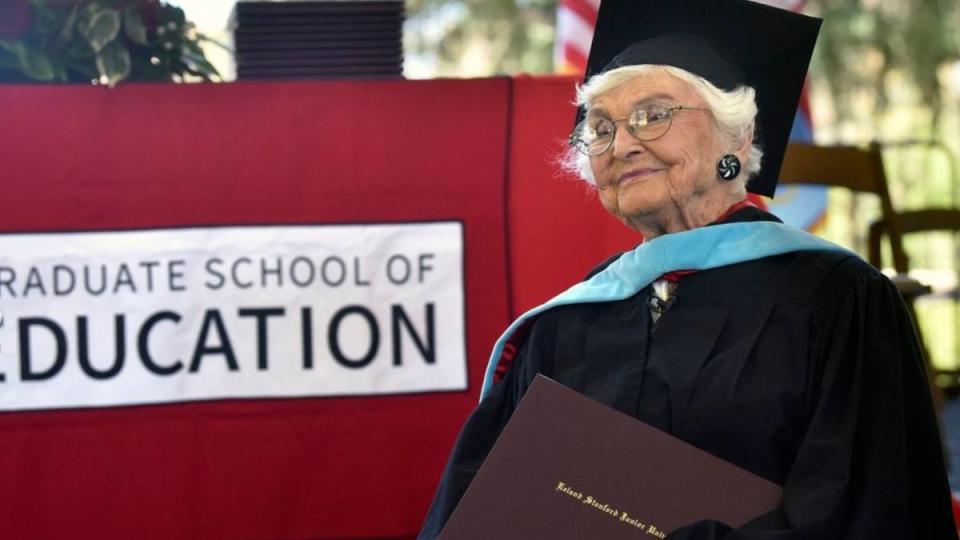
595, 136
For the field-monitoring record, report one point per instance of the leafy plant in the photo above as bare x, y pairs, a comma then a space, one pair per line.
104, 41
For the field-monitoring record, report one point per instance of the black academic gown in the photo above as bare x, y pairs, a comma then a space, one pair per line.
802, 368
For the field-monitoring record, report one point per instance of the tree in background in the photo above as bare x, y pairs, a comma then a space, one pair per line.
869, 45
479, 37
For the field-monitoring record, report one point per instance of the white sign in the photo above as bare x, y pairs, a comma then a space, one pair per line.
117, 318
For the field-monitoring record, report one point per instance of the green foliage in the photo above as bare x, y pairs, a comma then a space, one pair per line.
105, 41
864, 42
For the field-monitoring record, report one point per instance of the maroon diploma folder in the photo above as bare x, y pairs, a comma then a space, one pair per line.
567, 466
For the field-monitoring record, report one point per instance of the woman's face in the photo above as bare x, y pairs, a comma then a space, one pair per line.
649, 181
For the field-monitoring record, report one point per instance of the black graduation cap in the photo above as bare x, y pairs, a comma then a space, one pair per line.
727, 42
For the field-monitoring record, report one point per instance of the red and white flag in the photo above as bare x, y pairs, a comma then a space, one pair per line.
576, 20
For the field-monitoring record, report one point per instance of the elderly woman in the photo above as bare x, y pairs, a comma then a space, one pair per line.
764, 346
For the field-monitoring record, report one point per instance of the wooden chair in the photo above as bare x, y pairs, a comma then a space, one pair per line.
857, 169
860, 170
910, 222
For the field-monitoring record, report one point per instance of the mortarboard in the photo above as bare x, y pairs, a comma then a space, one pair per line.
727, 42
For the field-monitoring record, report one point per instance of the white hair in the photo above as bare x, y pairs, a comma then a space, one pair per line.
734, 113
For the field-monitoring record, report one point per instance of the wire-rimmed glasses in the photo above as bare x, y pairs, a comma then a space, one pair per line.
647, 122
